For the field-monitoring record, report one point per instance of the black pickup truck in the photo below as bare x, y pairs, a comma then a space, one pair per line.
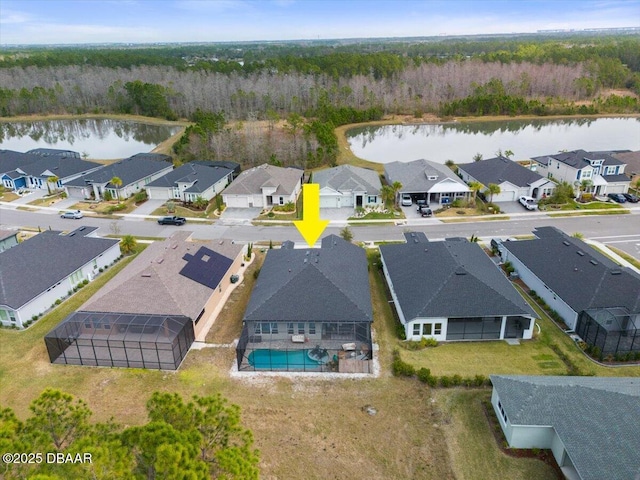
172, 221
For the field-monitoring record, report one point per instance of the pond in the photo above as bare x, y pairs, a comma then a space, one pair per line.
99, 138
460, 142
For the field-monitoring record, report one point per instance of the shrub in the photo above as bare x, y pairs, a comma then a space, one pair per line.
70, 292
256, 272
424, 374
140, 197
100, 269
58, 302
456, 380
479, 380
107, 195
401, 368
85, 282
400, 332
445, 381
34, 318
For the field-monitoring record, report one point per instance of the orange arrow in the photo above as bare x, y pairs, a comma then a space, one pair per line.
311, 227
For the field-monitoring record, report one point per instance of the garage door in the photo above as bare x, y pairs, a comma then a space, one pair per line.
329, 201
236, 201
509, 196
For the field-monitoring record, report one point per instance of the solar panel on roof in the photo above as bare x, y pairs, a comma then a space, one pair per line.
206, 271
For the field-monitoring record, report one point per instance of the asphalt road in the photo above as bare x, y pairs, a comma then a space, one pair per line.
621, 231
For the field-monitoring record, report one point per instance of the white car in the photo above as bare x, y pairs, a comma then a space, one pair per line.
528, 203
406, 200
75, 215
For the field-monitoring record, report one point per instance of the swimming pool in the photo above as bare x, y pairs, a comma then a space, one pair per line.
266, 359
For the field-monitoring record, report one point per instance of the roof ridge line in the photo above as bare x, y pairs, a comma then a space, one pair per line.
345, 295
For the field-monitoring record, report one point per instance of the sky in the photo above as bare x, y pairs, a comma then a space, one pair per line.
149, 21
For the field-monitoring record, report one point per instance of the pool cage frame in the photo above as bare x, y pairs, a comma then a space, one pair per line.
612, 330
336, 345
158, 342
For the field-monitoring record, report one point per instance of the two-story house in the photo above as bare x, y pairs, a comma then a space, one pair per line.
602, 172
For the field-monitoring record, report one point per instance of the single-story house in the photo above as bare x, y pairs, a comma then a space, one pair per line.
150, 313
234, 166
135, 173
451, 290
603, 171
310, 310
264, 186
423, 179
32, 170
45, 268
632, 161
596, 298
348, 186
590, 424
190, 181
513, 179
8, 239
48, 152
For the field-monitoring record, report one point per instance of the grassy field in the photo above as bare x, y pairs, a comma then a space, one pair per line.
617, 211
632, 260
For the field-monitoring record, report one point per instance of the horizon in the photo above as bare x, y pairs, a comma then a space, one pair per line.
143, 22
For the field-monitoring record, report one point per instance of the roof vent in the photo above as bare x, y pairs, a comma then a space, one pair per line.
415, 240
146, 275
564, 242
305, 260
580, 252
461, 271
593, 262
616, 272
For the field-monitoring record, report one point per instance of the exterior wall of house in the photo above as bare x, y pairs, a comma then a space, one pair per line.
46, 299
396, 303
201, 326
8, 242
420, 327
243, 201
534, 283
285, 330
509, 193
545, 188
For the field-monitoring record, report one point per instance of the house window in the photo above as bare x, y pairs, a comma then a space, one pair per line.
301, 329
437, 329
281, 201
587, 174
274, 328
372, 199
416, 329
610, 170
426, 329
312, 329
290, 328
504, 415
7, 316
76, 277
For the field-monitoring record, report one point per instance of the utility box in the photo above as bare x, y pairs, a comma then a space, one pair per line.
234, 278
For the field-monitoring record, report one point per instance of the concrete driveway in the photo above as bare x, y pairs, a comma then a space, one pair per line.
336, 214
513, 207
149, 206
239, 216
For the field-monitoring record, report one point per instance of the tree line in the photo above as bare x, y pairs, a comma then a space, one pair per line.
196, 440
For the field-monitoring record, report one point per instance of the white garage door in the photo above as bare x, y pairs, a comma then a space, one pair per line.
509, 196
157, 193
329, 201
233, 201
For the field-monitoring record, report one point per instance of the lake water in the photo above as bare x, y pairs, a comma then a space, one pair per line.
461, 141
100, 138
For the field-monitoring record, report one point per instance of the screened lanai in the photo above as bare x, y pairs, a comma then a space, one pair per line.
121, 340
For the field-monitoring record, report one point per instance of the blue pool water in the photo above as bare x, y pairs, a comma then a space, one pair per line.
279, 360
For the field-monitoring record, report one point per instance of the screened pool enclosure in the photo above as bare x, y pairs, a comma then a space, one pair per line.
121, 340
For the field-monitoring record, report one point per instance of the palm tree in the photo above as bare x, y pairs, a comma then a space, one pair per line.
508, 153
396, 186
52, 179
493, 189
386, 193
585, 185
475, 188
128, 244
117, 183
477, 157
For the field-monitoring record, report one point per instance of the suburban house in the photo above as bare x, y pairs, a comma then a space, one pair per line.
513, 179
423, 179
596, 298
45, 268
150, 313
234, 166
33, 171
190, 181
590, 424
8, 239
135, 173
348, 186
264, 186
48, 152
451, 290
632, 161
604, 172
310, 310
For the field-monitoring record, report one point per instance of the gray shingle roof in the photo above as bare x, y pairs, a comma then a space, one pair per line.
579, 158
327, 284
414, 175
129, 170
47, 152
498, 170
431, 278
151, 284
251, 181
582, 281
10, 160
206, 177
59, 166
632, 160
347, 178
596, 418
31, 267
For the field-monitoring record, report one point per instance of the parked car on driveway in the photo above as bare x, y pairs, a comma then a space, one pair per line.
617, 197
630, 197
422, 203
528, 202
406, 200
77, 214
172, 221
425, 211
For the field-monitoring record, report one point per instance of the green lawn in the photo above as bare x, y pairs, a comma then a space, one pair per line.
186, 212
391, 215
